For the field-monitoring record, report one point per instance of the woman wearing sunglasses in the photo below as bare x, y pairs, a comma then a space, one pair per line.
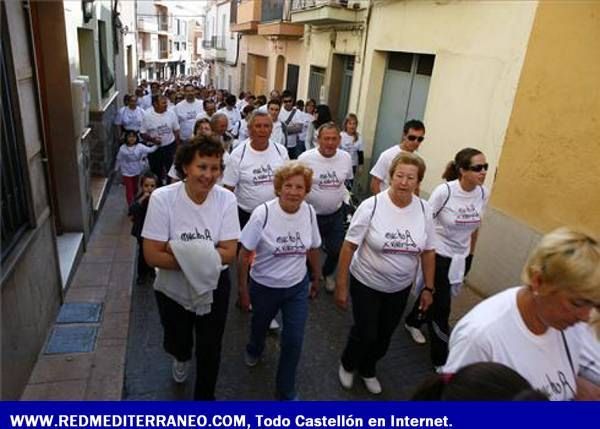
458, 207
540, 329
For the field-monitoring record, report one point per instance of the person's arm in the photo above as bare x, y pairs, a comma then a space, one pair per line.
177, 140
159, 254
375, 185
314, 259
243, 268
586, 390
151, 139
227, 250
474, 237
341, 282
428, 264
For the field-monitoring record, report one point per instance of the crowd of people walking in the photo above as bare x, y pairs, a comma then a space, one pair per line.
215, 181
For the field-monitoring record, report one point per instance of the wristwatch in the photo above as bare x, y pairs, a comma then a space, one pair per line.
429, 289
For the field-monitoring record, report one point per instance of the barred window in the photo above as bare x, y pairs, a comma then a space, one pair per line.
14, 203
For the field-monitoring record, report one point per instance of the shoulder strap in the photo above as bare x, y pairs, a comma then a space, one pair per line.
243, 153
266, 215
436, 214
564, 338
482, 192
277, 149
374, 207
422, 206
290, 117
310, 212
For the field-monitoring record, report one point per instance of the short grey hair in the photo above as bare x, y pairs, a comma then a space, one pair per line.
257, 114
327, 126
216, 117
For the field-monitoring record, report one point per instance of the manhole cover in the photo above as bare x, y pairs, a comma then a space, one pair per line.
79, 312
72, 339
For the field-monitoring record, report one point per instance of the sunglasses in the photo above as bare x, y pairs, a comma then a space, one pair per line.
478, 167
413, 138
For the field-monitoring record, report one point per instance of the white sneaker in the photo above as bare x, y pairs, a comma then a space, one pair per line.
274, 325
346, 378
180, 371
372, 385
330, 284
416, 334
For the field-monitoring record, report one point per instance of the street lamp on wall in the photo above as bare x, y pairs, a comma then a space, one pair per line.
87, 6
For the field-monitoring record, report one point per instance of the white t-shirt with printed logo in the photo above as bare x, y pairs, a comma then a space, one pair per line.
233, 118
390, 241
172, 215
329, 174
251, 172
352, 147
281, 243
186, 115
457, 216
161, 125
381, 169
494, 331
130, 119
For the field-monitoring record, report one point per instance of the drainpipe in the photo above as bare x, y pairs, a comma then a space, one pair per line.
363, 55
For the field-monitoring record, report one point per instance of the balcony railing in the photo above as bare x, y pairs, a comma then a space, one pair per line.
163, 23
164, 54
272, 10
307, 4
208, 43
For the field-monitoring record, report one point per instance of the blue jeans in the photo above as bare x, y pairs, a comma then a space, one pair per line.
293, 303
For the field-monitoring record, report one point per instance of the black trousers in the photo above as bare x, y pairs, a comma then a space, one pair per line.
438, 315
180, 325
244, 217
376, 316
161, 160
143, 268
331, 228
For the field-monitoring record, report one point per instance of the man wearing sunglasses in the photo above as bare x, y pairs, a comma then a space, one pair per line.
412, 137
291, 122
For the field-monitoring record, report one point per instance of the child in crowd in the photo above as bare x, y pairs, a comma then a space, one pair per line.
137, 214
352, 143
130, 162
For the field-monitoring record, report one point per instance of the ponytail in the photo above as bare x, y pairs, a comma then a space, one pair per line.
451, 172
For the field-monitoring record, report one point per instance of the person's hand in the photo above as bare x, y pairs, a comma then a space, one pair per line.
425, 300
244, 301
340, 296
168, 249
314, 289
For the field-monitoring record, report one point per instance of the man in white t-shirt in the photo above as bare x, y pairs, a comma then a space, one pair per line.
209, 109
277, 134
291, 121
412, 137
146, 102
233, 114
160, 126
187, 111
331, 168
249, 171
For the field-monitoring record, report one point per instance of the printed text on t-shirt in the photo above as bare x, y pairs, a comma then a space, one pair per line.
400, 242
289, 245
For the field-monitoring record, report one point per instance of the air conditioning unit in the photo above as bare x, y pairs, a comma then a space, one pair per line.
80, 94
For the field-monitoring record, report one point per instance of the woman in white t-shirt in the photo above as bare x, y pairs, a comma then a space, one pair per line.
539, 329
188, 211
458, 206
352, 143
283, 233
389, 235
130, 116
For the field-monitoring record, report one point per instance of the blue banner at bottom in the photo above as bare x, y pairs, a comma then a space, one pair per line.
282, 415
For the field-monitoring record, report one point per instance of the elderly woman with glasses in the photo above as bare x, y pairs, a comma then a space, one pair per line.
458, 206
539, 329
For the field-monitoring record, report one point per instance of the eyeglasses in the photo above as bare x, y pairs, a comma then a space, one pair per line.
413, 138
478, 167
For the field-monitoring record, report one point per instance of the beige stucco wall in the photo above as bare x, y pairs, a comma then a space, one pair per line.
549, 172
479, 48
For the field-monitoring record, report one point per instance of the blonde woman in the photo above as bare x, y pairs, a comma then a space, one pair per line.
538, 329
284, 233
